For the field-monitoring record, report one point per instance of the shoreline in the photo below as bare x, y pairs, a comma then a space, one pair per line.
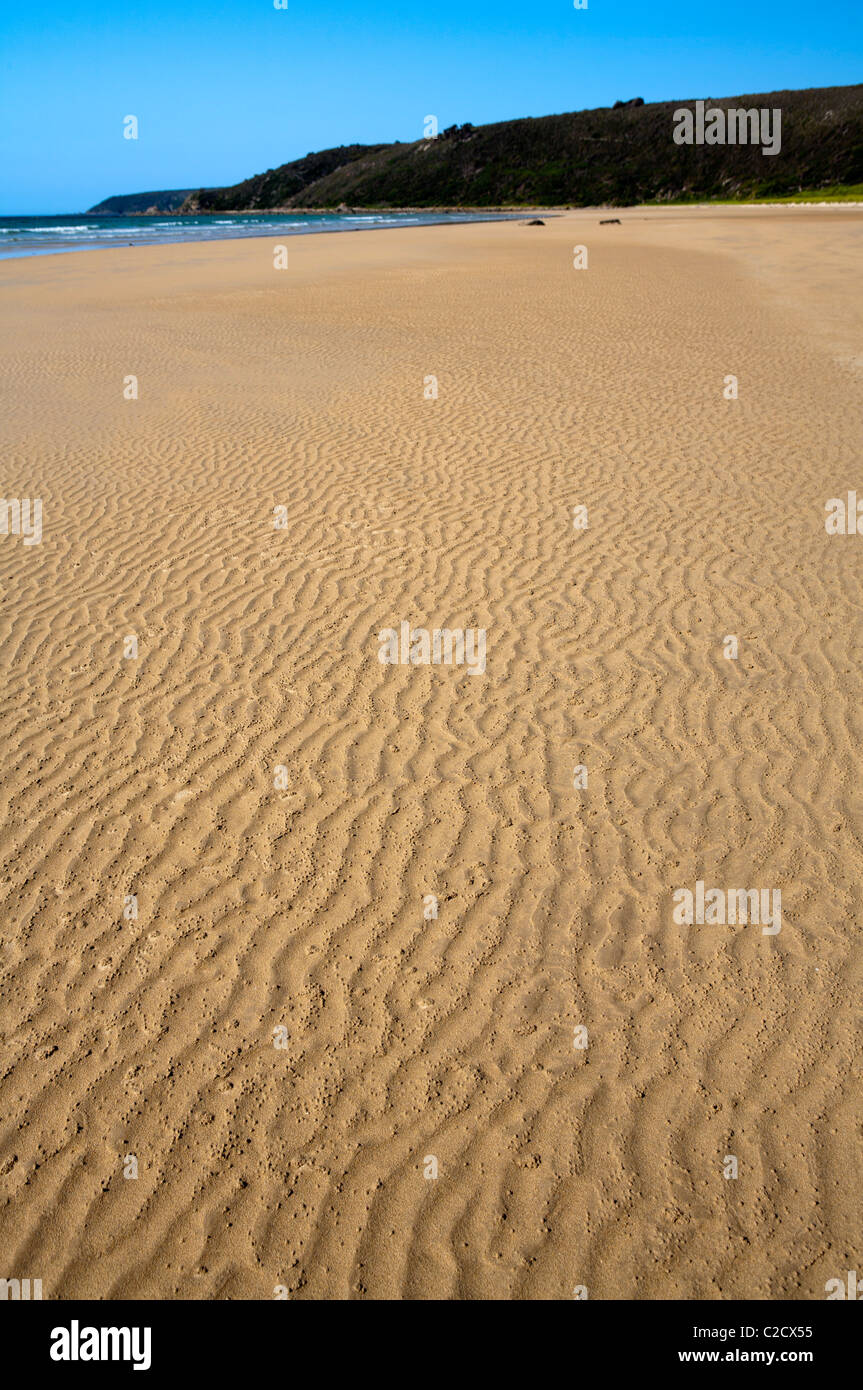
641, 211
430, 219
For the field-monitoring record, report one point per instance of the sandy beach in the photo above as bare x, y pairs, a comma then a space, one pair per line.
377, 995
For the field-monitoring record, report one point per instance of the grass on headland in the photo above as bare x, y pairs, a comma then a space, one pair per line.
836, 193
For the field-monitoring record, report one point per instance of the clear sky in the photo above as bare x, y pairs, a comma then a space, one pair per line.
226, 89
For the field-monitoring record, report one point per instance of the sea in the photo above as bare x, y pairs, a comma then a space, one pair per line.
40, 236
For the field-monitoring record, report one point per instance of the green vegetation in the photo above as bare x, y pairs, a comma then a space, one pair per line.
835, 193
614, 156
129, 203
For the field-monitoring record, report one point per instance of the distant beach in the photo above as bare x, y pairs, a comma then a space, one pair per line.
41, 236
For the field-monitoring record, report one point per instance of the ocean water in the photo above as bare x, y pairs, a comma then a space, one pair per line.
39, 236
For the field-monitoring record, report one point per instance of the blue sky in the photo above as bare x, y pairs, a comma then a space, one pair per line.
225, 90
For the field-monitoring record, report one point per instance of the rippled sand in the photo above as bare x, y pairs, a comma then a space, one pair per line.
298, 901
